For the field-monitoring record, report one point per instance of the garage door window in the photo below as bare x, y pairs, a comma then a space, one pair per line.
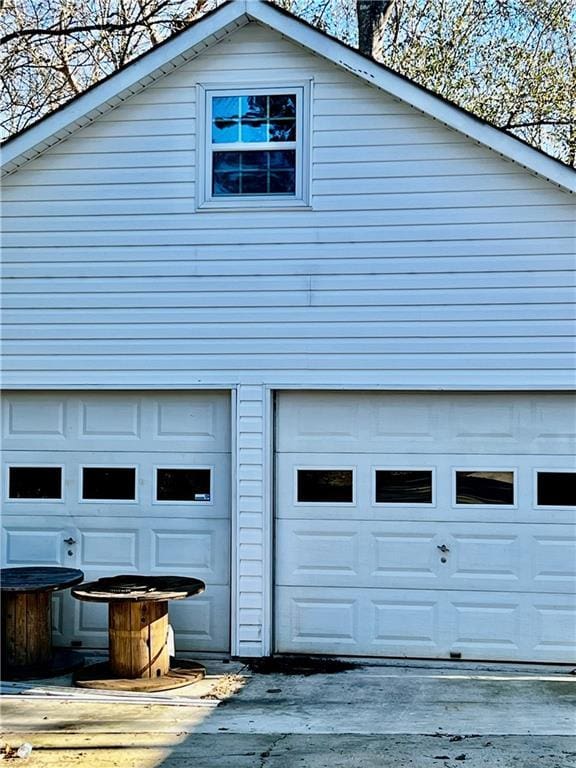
556, 489
109, 483
485, 487
325, 486
403, 486
35, 483
183, 484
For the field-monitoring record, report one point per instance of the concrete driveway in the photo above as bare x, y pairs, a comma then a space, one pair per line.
416, 715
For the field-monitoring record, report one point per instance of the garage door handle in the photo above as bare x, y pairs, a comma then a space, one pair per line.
70, 541
443, 548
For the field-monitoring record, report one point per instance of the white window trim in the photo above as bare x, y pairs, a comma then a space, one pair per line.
476, 468
404, 505
536, 472
32, 465
205, 201
182, 502
324, 468
133, 501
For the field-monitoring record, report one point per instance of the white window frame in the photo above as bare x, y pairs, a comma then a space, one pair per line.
82, 500
404, 504
32, 465
536, 472
476, 468
182, 502
324, 468
205, 200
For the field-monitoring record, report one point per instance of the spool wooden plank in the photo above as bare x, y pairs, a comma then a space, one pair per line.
38, 638
159, 654
138, 634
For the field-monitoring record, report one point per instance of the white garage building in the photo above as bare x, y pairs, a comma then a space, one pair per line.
277, 318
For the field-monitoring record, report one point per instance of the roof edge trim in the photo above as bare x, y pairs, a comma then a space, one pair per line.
108, 93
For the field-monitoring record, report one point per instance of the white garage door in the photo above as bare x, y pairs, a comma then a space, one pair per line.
122, 483
426, 525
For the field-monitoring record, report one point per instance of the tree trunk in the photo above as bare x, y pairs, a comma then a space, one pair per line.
372, 15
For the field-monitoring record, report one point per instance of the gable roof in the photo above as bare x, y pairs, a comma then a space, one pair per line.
223, 21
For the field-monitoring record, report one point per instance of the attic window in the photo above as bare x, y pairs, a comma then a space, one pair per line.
254, 148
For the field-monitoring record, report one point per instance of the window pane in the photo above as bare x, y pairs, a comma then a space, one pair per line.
327, 485
254, 131
254, 107
395, 486
227, 161
226, 183
226, 108
112, 483
557, 489
35, 483
282, 182
183, 485
254, 183
283, 158
254, 173
484, 487
254, 160
283, 106
225, 119
282, 130
239, 119
225, 131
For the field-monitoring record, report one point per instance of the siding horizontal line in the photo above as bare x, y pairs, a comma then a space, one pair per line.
190, 186
223, 260
70, 215
249, 226
569, 239
304, 340
262, 307
298, 276
208, 374
346, 291
184, 325
153, 183
164, 150
280, 355
226, 275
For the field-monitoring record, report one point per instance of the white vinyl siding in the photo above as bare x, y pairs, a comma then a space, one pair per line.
422, 250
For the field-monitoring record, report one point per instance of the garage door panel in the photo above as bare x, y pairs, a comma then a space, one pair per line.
553, 560
443, 506
41, 418
91, 624
200, 547
427, 423
424, 623
199, 624
410, 555
121, 421
145, 503
34, 540
554, 619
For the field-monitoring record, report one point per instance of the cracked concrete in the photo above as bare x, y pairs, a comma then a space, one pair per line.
412, 715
